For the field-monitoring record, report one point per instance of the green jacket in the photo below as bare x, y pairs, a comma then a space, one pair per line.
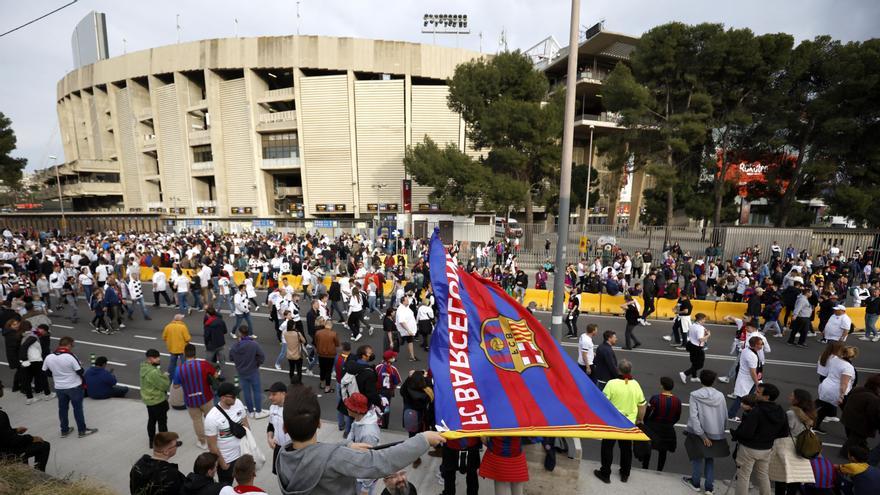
154, 384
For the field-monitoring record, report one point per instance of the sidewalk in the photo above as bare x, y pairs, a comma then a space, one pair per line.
108, 455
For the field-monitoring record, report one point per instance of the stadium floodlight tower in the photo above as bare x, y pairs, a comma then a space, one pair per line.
435, 24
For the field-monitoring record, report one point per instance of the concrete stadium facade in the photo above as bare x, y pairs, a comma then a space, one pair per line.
237, 128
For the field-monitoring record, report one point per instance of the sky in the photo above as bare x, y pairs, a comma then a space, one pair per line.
33, 59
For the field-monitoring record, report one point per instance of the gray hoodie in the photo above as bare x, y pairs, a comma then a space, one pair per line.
331, 469
708, 414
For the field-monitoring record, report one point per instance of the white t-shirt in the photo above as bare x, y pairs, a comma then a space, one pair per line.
160, 282
182, 284
217, 426
695, 333
64, 369
586, 346
748, 360
829, 389
276, 419
764, 349
837, 327
405, 321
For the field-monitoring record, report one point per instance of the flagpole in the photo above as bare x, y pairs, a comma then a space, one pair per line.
565, 176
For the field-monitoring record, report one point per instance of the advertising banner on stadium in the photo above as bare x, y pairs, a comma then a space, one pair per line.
498, 372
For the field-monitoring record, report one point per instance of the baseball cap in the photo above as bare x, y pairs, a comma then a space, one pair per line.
152, 353
389, 355
227, 388
277, 387
840, 307
357, 403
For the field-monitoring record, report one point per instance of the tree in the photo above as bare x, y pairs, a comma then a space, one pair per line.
503, 101
734, 66
10, 167
662, 104
460, 183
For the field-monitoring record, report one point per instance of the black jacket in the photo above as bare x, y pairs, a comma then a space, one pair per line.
366, 378
215, 331
335, 291
605, 363
198, 484
11, 441
12, 340
149, 476
861, 415
754, 306
761, 426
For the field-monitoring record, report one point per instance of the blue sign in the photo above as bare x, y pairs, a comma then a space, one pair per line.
264, 223
325, 224
194, 223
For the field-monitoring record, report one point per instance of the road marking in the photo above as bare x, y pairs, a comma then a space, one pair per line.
114, 363
146, 337
113, 346
720, 357
679, 425
129, 386
305, 371
62, 326
196, 343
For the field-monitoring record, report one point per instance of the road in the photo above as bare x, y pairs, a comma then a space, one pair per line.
787, 367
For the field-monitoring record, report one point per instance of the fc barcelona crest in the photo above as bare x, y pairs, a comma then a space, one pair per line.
510, 344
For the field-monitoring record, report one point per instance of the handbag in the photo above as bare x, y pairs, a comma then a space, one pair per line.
807, 444
238, 431
249, 447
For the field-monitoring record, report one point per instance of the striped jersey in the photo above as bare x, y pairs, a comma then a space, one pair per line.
193, 376
664, 409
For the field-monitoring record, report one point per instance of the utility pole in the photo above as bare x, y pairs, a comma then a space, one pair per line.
178, 28
589, 172
565, 176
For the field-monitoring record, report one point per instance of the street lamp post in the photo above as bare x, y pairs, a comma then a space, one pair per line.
378, 188
589, 173
565, 176
60, 195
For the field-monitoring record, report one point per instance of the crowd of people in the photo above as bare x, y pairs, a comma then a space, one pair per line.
44, 276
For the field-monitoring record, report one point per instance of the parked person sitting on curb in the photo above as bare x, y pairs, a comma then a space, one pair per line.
101, 383
16, 443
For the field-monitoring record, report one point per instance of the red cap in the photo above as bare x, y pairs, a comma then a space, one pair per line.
357, 403
389, 355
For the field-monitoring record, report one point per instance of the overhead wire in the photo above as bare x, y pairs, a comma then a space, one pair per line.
38, 18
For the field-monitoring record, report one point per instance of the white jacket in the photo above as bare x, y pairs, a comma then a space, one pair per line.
242, 305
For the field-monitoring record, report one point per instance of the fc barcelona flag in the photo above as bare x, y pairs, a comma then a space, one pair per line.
498, 372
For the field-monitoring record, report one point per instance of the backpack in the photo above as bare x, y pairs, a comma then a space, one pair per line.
807, 444
348, 385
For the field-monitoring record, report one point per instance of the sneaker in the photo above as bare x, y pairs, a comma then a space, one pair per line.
689, 482
802, 346
87, 432
261, 414
202, 445
65, 434
50, 396
30, 401
667, 338
820, 431
680, 348
731, 396
875, 339
735, 419
695, 380
832, 419
811, 334
122, 325
684, 378
723, 379
864, 338
277, 366
708, 492
357, 338
646, 322
605, 479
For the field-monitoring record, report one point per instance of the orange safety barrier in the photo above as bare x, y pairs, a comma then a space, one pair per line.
724, 308
708, 308
539, 297
663, 308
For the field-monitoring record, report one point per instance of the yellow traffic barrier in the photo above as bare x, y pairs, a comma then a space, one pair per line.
724, 308
538, 296
857, 315
708, 308
591, 303
663, 308
611, 304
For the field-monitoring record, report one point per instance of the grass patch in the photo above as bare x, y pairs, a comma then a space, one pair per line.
20, 479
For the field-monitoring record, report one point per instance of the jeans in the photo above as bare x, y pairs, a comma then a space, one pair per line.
138, 302
772, 324
371, 304
250, 387
748, 460
217, 357
172, 363
734, 407
707, 466
281, 355
870, 325
67, 396
343, 420
87, 291
74, 311
238, 319
224, 299
182, 303
197, 299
